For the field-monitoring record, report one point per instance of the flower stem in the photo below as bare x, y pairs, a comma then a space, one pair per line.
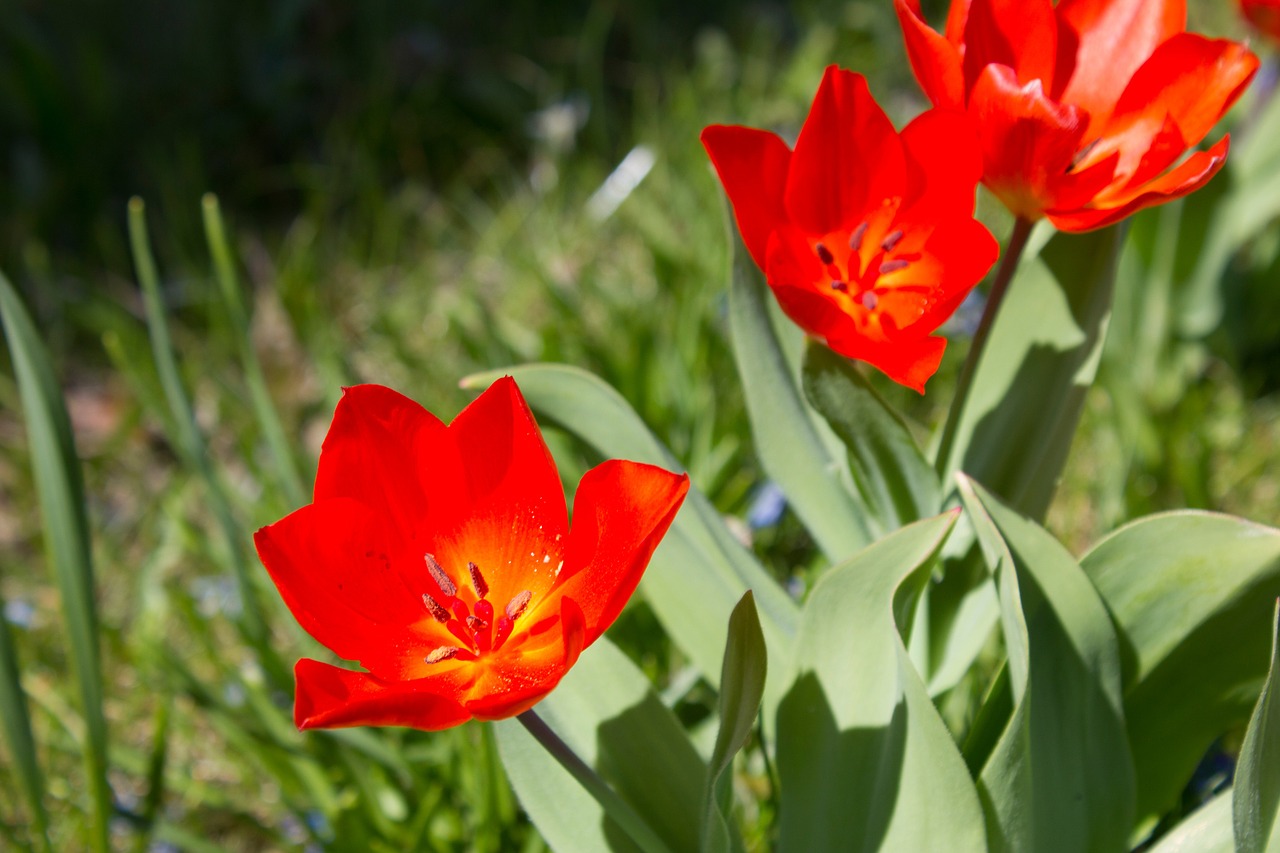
614, 806
1008, 265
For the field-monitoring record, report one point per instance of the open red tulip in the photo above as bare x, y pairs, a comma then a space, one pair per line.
441, 558
1263, 14
1084, 109
866, 237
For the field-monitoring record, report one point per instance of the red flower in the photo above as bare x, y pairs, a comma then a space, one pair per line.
440, 557
867, 238
1082, 109
1263, 14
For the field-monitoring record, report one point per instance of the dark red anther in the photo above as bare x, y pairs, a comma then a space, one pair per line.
477, 580
891, 240
892, 266
855, 239
436, 609
840, 286
446, 584
824, 254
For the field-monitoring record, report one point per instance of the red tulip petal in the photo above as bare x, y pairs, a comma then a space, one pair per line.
909, 361
934, 59
1187, 177
620, 513
944, 165
373, 453
1190, 78
847, 158
330, 697
508, 515
752, 165
1102, 44
1029, 142
332, 565
1019, 34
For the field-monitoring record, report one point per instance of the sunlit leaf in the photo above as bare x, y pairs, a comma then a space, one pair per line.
865, 761
1257, 786
1206, 830
742, 680
1059, 777
1190, 594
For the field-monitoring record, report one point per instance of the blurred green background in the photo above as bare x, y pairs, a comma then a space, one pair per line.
413, 192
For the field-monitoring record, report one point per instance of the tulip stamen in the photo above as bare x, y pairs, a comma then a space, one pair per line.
840, 286
893, 266
442, 653
477, 580
824, 254
870, 300
516, 605
891, 240
1082, 155
475, 623
855, 239
446, 584
436, 609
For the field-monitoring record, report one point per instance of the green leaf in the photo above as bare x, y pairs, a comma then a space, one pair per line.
605, 710
60, 489
700, 570
1257, 787
788, 442
1207, 830
1059, 777
17, 733
742, 680
896, 483
1029, 386
864, 759
1190, 594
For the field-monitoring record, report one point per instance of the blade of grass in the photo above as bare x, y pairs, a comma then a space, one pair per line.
17, 734
190, 442
66, 530
264, 409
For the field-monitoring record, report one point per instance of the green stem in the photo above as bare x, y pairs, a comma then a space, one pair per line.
1008, 266
614, 806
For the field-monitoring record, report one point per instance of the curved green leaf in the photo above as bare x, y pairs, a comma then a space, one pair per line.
742, 680
605, 710
60, 488
896, 483
1257, 788
700, 570
864, 759
1059, 777
1207, 830
788, 442
1028, 388
16, 721
1190, 594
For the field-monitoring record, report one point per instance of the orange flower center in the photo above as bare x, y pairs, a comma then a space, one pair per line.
478, 632
854, 265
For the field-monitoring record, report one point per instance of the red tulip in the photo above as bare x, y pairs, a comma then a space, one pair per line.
866, 237
1263, 14
440, 558
1085, 108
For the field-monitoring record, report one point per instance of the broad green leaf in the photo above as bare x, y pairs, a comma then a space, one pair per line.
1028, 389
17, 734
60, 489
1059, 777
788, 442
605, 710
1206, 830
742, 681
896, 483
864, 760
1257, 785
1190, 594
700, 570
